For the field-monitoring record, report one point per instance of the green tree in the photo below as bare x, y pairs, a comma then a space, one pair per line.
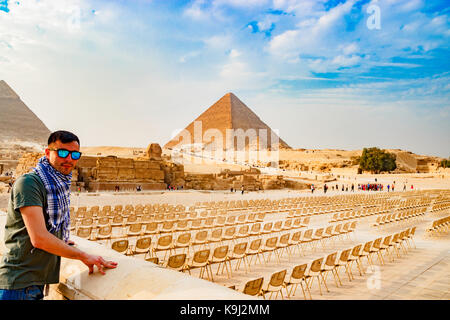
376, 160
445, 163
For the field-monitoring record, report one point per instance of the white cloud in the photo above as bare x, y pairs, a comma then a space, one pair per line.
234, 53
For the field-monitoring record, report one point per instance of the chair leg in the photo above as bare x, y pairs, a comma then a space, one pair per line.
324, 282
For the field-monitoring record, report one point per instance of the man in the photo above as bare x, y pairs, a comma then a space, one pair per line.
37, 224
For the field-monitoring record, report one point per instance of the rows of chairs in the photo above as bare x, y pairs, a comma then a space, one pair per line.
349, 215
239, 249
439, 226
399, 216
440, 206
320, 268
132, 228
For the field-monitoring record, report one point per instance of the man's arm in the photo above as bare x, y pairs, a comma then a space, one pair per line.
44, 240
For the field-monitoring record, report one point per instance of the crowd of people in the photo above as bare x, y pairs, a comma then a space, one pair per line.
361, 187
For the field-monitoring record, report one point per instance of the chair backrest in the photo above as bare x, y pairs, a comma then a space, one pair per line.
243, 229
240, 248
256, 227
230, 231
221, 252
120, 246
151, 226
255, 244
308, 234
268, 226
356, 250
277, 279
176, 261
242, 218
132, 218
296, 236
105, 230
367, 246
299, 271
202, 256
87, 221
184, 238
284, 239
253, 287
221, 220
271, 242
103, 221
331, 259
165, 241
387, 240
143, 243
118, 219
154, 260
136, 227
84, 232
201, 235
167, 225
278, 225
344, 255
338, 227
216, 233
329, 229
316, 265
377, 243
182, 224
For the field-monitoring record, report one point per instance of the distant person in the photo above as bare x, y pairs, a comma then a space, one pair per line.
392, 188
353, 187
325, 188
412, 187
404, 187
242, 190
342, 187
388, 186
231, 190
37, 226
312, 188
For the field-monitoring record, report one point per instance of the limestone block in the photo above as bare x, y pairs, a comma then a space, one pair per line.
143, 174
157, 175
125, 163
126, 174
154, 165
105, 173
107, 162
141, 164
87, 162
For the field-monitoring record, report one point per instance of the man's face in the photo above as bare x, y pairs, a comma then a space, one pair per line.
63, 165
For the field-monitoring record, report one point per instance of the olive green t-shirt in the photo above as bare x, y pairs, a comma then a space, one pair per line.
22, 265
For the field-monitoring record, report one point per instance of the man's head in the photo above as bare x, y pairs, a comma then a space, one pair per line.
62, 140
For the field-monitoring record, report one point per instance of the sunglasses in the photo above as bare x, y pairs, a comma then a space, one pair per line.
63, 153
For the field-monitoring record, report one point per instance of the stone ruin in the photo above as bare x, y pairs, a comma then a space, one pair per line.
105, 173
154, 172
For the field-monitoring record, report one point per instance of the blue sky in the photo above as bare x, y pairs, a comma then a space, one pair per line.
132, 72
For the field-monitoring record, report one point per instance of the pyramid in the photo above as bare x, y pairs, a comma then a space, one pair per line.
17, 121
228, 113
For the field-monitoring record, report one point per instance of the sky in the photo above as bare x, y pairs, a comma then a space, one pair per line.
327, 74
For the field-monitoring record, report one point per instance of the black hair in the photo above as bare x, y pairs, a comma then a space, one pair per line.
63, 136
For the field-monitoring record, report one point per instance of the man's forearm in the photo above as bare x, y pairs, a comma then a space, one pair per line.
48, 242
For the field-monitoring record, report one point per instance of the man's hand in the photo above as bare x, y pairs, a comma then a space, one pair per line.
91, 260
